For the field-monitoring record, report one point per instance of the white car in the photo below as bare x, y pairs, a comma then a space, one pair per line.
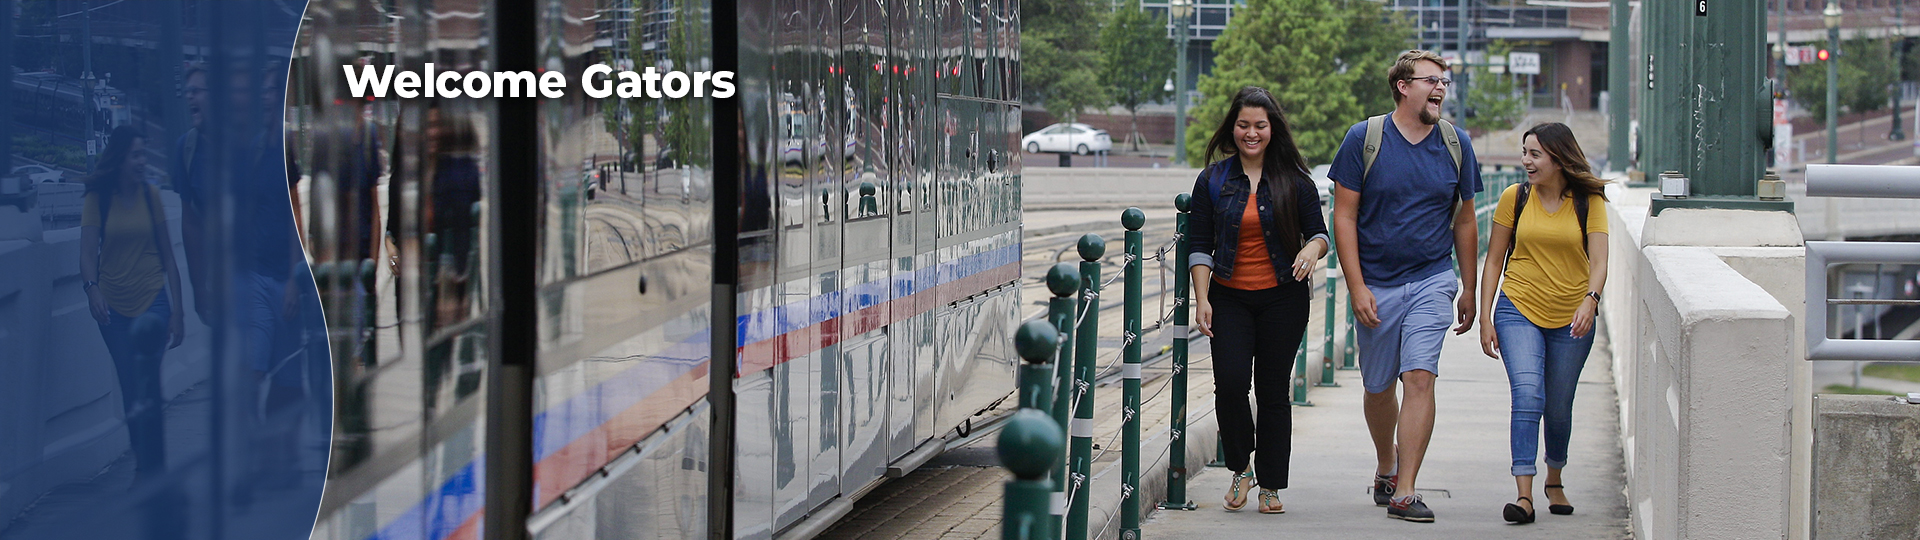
38, 173
1077, 138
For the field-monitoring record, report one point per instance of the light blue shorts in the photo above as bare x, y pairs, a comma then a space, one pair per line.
1413, 322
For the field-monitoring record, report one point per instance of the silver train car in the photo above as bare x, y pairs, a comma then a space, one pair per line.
523, 296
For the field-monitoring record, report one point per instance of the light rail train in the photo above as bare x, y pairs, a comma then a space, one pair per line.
873, 285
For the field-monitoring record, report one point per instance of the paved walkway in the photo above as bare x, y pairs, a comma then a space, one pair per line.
1464, 480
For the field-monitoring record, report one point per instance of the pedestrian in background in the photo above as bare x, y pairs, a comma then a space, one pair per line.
133, 287
1257, 233
1549, 242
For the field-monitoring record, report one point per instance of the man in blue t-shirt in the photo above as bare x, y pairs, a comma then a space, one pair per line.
1397, 216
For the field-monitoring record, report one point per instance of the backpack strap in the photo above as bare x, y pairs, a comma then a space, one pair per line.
1453, 144
1376, 128
1520, 204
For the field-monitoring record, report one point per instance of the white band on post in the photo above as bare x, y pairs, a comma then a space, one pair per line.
1130, 371
1179, 331
1059, 503
1080, 427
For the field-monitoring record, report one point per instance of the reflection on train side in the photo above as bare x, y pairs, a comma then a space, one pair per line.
879, 245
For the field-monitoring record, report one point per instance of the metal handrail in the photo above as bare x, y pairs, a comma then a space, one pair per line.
1873, 181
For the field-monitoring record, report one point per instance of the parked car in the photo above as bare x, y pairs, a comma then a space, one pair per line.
1077, 138
38, 173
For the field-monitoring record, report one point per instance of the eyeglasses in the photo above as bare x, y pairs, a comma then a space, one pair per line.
1435, 80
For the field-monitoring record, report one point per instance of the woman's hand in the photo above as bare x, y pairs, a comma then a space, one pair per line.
97, 303
1583, 317
1204, 317
176, 325
1489, 341
1303, 262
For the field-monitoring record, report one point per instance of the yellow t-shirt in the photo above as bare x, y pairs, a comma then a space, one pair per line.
1547, 276
130, 271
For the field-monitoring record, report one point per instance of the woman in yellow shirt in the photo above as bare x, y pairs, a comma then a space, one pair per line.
1555, 267
132, 286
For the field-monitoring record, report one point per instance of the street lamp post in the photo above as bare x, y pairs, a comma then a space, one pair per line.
1899, 57
87, 81
1832, 14
1180, 10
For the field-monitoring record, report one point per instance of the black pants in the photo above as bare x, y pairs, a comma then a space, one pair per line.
1255, 337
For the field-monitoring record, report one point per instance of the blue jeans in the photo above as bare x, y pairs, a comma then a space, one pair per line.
137, 345
1543, 367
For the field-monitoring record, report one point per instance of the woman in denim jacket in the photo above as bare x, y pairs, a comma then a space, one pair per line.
1254, 213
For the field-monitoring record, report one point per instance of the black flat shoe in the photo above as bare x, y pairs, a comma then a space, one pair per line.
1517, 515
1559, 509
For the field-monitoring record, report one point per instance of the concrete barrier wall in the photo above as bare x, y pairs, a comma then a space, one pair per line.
1708, 366
1101, 188
61, 394
1868, 467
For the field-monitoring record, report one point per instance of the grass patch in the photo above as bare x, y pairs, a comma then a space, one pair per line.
1903, 372
1854, 390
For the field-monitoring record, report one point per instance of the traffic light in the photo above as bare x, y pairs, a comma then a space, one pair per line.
1823, 55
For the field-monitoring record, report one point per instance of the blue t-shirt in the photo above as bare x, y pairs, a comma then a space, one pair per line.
1406, 202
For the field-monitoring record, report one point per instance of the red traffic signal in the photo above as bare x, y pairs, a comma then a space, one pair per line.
1823, 55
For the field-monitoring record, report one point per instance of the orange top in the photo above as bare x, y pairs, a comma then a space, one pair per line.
1252, 266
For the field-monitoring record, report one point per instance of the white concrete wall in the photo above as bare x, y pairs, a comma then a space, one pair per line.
1710, 369
61, 394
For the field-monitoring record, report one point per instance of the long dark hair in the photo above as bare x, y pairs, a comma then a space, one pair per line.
1557, 140
113, 161
1282, 169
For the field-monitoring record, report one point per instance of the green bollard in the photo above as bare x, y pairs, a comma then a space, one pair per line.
1300, 374
1063, 280
1035, 342
1177, 454
1349, 350
1326, 345
1080, 428
1132, 219
1028, 446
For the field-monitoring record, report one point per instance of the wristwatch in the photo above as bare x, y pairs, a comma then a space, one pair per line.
1595, 296
88, 285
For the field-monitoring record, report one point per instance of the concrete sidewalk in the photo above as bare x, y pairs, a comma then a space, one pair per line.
1465, 479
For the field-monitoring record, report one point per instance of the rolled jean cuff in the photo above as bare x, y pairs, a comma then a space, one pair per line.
1525, 470
1551, 464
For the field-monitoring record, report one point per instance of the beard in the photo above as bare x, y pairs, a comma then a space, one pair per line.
1427, 117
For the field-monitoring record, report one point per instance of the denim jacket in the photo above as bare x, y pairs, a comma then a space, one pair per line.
1213, 226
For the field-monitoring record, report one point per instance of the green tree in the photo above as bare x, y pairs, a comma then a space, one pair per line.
1060, 59
688, 123
1495, 105
1866, 70
1139, 57
1324, 60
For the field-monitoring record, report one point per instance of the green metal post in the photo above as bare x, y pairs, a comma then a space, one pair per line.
1326, 345
1833, 81
1346, 343
1063, 280
1080, 428
1132, 219
1177, 454
1035, 342
1028, 445
1618, 158
1300, 374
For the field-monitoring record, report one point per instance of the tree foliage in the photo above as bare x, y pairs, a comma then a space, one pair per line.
1494, 103
1866, 70
1139, 58
1325, 61
1060, 58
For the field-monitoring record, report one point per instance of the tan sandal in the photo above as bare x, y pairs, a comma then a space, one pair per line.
1270, 502
1237, 491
